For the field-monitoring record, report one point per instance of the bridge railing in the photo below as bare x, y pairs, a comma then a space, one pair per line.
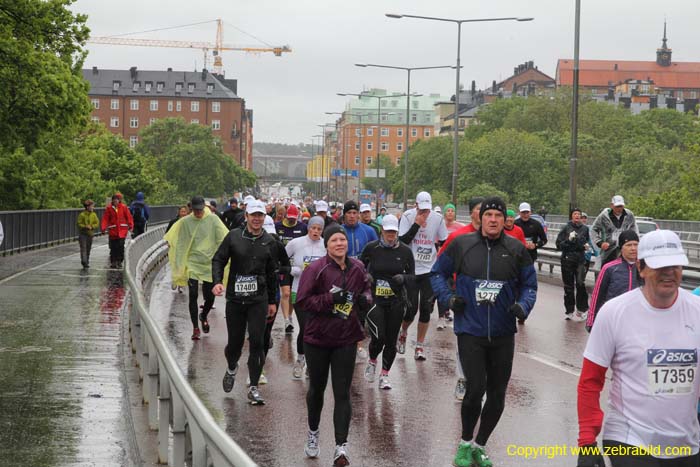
173, 407
25, 230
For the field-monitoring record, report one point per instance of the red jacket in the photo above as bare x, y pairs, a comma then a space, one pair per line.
516, 232
117, 221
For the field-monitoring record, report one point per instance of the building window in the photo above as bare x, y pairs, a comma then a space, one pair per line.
210, 88
394, 103
385, 117
461, 123
216, 124
357, 145
114, 104
135, 87
115, 85
95, 104
133, 141
680, 94
190, 88
194, 106
414, 104
385, 146
426, 132
357, 132
370, 131
399, 132
399, 146
357, 160
170, 106
159, 86
369, 145
398, 160
133, 122
194, 120
368, 160
693, 94
178, 87
149, 85
152, 120
384, 132
134, 104
114, 122
216, 106
178, 106
154, 106
414, 117
95, 118
414, 132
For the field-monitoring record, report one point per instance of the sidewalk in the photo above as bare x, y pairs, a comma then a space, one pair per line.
69, 394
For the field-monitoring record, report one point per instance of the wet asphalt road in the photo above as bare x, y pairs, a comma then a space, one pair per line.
416, 423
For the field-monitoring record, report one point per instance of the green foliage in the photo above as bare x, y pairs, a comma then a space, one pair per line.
384, 183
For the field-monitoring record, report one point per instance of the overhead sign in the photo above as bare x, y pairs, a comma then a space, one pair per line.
342, 173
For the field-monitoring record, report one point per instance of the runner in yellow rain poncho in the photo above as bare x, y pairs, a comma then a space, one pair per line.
193, 240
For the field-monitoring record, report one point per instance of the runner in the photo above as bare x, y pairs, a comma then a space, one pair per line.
250, 294
421, 229
649, 339
302, 252
496, 283
384, 259
288, 229
535, 236
359, 234
333, 291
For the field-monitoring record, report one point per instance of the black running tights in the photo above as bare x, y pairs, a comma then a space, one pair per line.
384, 322
238, 316
193, 285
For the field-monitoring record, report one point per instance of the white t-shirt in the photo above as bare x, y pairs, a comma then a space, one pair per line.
303, 251
653, 355
423, 244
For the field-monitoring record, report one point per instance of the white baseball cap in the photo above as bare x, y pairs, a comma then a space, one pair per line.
662, 248
524, 207
248, 199
424, 201
364, 207
437, 209
390, 222
321, 206
255, 206
618, 200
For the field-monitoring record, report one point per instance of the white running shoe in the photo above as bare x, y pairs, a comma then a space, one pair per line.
263, 379
441, 324
370, 371
298, 369
340, 457
384, 382
420, 353
312, 449
580, 316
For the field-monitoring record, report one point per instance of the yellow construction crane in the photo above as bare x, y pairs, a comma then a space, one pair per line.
216, 47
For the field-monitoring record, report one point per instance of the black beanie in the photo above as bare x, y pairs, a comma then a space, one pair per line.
332, 229
349, 206
473, 202
492, 202
627, 236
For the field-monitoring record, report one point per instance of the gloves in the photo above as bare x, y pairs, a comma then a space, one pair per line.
339, 297
456, 304
590, 460
572, 236
398, 279
517, 310
363, 302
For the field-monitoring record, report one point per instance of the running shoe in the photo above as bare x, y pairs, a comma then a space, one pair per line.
449, 316
201, 307
254, 396
384, 382
289, 328
341, 458
464, 456
460, 389
195, 334
370, 371
312, 449
441, 324
298, 369
580, 316
205, 324
420, 353
401, 345
480, 457
229, 379
568, 315
263, 378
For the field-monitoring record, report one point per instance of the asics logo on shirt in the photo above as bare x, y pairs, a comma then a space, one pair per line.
661, 356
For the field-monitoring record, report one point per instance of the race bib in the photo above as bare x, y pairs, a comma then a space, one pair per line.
342, 310
487, 291
671, 372
383, 289
246, 285
528, 239
308, 260
424, 254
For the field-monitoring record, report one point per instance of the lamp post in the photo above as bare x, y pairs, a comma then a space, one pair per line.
408, 108
360, 116
574, 113
458, 22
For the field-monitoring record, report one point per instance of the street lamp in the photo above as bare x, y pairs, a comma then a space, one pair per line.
408, 108
379, 112
574, 112
360, 116
459, 42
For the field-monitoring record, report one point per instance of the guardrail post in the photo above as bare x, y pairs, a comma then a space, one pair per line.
199, 446
145, 367
178, 429
153, 388
164, 415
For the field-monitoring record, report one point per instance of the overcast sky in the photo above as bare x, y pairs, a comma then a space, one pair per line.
290, 94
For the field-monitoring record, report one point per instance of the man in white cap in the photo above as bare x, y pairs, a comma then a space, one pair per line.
535, 236
649, 338
366, 218
422, 229
322, 212
608, 226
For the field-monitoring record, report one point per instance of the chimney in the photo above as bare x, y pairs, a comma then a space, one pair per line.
615, 67
204, 74
530, 64
94, 70
493, 86
133, 72
170, 69
473, 87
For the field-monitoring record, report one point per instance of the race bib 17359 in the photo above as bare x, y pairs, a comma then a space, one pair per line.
671, 372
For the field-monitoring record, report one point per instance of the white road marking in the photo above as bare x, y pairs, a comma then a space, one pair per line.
549, 361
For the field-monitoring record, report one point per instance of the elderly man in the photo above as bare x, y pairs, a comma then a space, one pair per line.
649, 338
366, 218
535, 236
117, 222
608, 226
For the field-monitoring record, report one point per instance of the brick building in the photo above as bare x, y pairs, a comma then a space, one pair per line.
127, 101
526, 80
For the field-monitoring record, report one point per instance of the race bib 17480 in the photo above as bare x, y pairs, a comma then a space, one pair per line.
246, 285
486, 291
671, 372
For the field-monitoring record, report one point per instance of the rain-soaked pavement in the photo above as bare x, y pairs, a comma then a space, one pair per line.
65, 397
417, 422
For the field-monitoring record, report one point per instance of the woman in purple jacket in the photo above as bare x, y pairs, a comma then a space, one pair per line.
333, 291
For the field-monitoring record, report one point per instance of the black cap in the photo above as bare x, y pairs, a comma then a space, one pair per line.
474, 202
627, 236
349, 206
233, 200
197, 202
492, 202
212, 203
332, 229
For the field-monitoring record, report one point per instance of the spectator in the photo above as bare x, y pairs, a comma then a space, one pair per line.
608, 226
87, 223
117, 222
141, 213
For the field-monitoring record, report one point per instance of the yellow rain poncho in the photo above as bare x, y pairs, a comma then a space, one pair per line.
193, 243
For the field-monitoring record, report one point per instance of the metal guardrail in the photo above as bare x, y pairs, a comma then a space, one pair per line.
26, 230
173, 406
